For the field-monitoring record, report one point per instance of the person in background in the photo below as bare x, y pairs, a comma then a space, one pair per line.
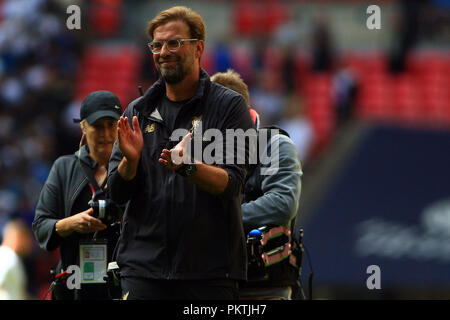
16, 244
270, 201
64, 219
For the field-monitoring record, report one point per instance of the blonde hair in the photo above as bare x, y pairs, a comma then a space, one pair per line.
232, 80
195, 22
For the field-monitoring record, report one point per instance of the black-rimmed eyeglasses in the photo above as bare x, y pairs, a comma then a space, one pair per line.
172, 44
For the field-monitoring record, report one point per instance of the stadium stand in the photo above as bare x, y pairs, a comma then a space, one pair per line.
46, 70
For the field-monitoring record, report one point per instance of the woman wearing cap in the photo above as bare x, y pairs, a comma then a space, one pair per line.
63, 217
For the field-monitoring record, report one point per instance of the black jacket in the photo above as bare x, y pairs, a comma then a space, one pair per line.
172, 229
64, 185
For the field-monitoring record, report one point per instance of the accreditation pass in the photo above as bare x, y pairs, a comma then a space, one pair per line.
93, 263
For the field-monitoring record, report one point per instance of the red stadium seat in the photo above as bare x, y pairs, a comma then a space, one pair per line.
245, 17
419, 95
109, 68
275, 14
258, 17
105, 17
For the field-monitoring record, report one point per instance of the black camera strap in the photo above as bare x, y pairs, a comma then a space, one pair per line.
96, 189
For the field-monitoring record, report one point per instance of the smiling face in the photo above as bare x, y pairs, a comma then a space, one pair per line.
176, 66
100, 136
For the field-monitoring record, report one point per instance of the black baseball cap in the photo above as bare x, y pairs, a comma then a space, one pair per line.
100, 104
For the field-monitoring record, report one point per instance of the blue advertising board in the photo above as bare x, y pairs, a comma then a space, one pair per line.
389, 206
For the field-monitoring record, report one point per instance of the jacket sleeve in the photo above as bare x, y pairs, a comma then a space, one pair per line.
281, 189
237, 119
49, 209
120, 190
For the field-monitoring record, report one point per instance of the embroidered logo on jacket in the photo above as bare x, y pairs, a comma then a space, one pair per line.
196, 121
149, 128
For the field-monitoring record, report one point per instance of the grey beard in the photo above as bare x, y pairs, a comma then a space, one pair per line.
172, 76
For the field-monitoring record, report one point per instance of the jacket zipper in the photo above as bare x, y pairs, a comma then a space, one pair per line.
167, 272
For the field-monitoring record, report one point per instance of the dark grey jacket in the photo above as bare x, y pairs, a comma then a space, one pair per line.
172, 229
64, 184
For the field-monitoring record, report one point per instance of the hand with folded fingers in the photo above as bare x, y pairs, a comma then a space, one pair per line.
174, 158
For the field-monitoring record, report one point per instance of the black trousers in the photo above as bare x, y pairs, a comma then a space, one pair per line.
134, 288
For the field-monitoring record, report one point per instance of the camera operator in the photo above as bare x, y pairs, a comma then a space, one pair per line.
67, 214
270, 203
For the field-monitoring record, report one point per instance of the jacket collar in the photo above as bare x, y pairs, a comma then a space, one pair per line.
83, 155
147, 105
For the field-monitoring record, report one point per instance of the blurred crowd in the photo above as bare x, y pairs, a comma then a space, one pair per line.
39, 63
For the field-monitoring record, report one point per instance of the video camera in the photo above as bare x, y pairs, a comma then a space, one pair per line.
256, 266
267, 246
